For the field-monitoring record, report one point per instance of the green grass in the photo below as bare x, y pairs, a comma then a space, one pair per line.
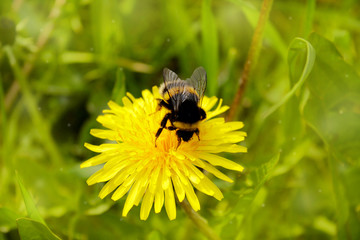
301, 111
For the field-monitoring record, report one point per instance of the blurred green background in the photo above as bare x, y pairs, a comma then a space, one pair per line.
69, 58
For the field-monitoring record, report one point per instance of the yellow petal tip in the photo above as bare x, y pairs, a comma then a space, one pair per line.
84, 165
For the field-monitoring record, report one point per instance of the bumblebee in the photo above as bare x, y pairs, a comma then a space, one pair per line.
183, 99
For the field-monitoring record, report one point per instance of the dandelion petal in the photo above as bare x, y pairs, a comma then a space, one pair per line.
192, 198
170, 203
146, 205
159, 200
220, 161
179, 189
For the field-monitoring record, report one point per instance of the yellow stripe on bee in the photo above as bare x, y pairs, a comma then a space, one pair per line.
185, 126
176, 90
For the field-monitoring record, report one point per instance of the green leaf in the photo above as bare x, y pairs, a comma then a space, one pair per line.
263, 173
244, 205
301, 51
210, 46
29, 202
7, 31
31, 229
332, 110
290, 160
106, 28
352, 180
7, 219
120, 87
334, 102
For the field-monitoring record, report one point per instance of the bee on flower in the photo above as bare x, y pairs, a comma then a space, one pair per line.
154, 157
182, 98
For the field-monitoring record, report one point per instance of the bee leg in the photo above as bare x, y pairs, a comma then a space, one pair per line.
202, 114
171, 128
158, 134
162, 103
179, 142
162, 126
197, 132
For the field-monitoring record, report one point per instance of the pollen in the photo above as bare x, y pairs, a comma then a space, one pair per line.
155, 176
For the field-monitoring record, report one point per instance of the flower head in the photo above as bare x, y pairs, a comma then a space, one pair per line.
155, 174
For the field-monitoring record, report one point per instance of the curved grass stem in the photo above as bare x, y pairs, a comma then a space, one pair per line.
252, 57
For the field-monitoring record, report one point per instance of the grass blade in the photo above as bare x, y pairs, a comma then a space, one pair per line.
298, 45
210, 46
29, 202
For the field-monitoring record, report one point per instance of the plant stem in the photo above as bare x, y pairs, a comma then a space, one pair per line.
42, 40
252, 57
310, 12
199, 221
3, 144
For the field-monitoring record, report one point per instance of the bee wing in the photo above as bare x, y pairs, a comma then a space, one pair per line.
169, 76
198, 81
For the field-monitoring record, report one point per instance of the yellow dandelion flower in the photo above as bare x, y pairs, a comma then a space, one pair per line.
154, 175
